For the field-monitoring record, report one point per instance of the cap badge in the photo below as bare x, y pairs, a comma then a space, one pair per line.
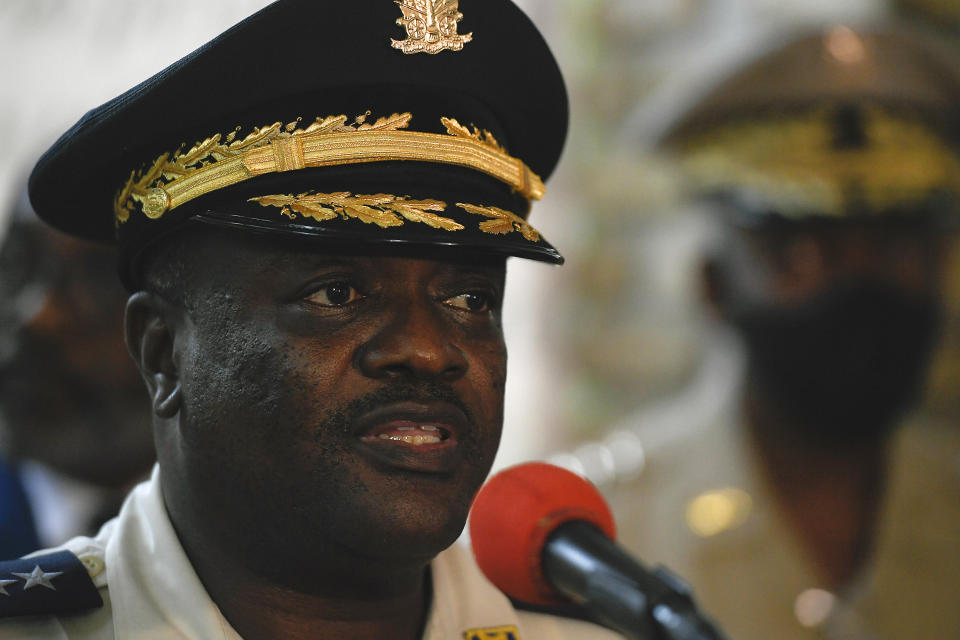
431, 26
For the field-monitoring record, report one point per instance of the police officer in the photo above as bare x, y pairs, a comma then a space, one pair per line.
832, 169
314, 212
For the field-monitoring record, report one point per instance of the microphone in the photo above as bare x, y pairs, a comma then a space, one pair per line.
544, 536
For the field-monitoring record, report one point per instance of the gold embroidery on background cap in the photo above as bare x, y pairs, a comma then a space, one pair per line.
502, 221
431, 26
217, 162
383, 210
793, 163
507, 632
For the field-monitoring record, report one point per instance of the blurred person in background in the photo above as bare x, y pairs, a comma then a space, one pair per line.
74, 429
798, 509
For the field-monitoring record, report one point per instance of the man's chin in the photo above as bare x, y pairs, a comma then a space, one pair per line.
364, 558
408, 540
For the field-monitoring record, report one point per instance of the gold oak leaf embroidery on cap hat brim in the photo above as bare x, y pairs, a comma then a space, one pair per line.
387, 210
501, 221
383, 210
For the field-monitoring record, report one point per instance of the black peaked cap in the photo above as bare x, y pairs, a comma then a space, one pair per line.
307, 60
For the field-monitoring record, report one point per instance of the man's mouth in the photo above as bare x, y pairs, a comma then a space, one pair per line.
415, 436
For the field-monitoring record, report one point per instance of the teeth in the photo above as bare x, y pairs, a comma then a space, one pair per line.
429, 427
411, 439
405, 428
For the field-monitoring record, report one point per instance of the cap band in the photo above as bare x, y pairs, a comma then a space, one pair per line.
210, 165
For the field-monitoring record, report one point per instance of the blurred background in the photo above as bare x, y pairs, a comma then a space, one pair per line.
614, 349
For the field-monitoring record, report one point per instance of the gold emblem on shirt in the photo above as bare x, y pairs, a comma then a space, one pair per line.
508, 632
431, 26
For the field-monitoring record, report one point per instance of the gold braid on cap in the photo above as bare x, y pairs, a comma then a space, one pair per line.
793, 163
217, 162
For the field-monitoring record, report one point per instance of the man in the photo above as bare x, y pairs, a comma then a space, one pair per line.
316, 314
796, 509
74, 429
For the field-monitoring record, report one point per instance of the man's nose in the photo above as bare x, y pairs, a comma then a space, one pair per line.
414, 343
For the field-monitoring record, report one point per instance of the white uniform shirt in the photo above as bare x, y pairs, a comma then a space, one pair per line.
151, 591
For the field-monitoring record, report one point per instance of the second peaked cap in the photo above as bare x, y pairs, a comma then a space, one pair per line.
837, 124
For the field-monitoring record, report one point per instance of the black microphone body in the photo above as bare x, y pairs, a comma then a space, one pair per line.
583, 564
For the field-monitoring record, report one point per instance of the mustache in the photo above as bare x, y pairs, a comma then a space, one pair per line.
341, 420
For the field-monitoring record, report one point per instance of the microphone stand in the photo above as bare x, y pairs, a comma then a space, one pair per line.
582, 563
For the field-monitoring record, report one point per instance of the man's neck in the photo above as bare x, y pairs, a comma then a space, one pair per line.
259, 612
365, 602
830, 496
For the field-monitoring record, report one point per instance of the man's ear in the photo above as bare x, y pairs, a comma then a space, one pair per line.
150, 339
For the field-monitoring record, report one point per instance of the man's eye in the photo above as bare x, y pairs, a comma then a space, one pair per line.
475, 301
337, 294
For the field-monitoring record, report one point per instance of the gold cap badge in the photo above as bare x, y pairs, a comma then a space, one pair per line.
431, 26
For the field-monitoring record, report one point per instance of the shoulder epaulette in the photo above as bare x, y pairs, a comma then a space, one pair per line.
51, 583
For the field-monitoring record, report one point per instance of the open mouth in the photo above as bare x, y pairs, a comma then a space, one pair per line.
416, 435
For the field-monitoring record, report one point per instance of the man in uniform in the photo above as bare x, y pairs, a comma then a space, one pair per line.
314, 212
796, 509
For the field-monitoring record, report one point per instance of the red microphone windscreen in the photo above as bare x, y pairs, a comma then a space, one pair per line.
512, 516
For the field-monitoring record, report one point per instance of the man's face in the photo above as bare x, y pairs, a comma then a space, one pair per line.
839, 321
334, 403
790, 266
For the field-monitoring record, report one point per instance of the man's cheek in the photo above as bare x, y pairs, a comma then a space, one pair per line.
244, 389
